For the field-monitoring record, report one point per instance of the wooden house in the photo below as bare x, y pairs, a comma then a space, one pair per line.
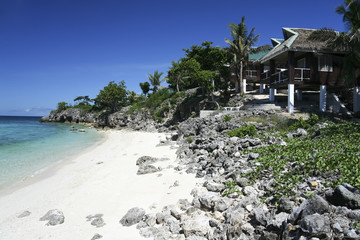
297, 63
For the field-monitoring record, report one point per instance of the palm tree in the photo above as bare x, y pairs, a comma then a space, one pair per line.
240, 48
345, 41
155, 80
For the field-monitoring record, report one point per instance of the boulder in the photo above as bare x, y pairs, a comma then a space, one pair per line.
96, 220
54, 217
196, 226
147, 168
345, 195
316, 225
133, 216
208, 200
285, 205
214, 187
261, 216
96, 236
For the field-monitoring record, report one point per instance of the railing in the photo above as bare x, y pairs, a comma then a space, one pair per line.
251, 73
264, 76
302, 74
280, 77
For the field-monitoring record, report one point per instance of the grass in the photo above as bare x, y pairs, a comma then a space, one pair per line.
335, 152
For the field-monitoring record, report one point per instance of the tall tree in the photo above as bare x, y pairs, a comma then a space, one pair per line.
345, 41
155, 80
240, 48
202, 65
145, 87
83, 100
112, 97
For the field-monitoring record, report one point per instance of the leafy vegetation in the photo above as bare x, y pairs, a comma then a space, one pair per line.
189, 139
61, 106
240, 48
157, 103
112, 97
245, 130
203, 66
230, 187
227, 118
155, 80
334, 152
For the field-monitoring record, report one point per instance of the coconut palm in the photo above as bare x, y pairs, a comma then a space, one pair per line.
240, 48
345, 41
155, 80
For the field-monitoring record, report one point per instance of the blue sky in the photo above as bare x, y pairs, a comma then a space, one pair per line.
56, 50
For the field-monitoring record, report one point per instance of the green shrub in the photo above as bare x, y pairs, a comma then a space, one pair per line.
249, 130
230, 187
161, 112
335, 153
189, 139
227, 118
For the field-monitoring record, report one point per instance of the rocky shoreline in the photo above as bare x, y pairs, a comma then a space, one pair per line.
228, 206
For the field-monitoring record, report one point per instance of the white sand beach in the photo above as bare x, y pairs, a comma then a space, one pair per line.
102, 180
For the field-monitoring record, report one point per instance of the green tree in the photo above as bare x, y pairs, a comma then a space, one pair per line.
83, 100
155, 80
61, 106
202, 66
345, 41
112, 97
187, 73
240, 48
213, 59
145, 87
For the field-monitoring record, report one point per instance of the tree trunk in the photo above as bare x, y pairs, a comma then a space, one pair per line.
241, 78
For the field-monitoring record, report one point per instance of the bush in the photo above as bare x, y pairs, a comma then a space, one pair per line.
61, 106
189, 139
227, 118
249, 130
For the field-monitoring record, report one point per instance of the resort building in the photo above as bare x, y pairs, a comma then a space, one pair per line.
298, 64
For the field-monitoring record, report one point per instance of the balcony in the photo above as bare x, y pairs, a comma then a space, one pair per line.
251, 74
301, 75
279, 77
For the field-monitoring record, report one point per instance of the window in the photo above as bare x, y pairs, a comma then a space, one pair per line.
325, 63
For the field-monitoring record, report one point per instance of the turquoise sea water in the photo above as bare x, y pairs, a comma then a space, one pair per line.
28, 146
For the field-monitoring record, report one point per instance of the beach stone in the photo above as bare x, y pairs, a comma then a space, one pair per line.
24, 214
215, 187
96, 236
54, 217
146, 160
279, 219
261, 216
149, 232
133, 216
345, 195
146, 169
208, 200
198, 226
98, 222
316, 225
285, 205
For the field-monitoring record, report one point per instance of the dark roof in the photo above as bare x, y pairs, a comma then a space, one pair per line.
296, 39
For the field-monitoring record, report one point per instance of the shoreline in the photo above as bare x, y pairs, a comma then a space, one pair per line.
102, 180
48, 170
